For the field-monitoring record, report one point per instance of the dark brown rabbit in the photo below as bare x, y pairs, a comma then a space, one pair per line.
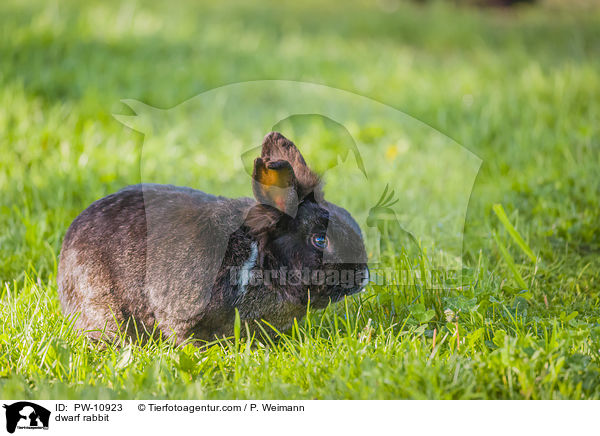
181, 261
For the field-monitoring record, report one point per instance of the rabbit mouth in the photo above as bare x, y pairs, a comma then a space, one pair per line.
339, 292
353, 291
342, 291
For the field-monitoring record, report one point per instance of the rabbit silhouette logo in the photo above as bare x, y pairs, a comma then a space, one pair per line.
26, 415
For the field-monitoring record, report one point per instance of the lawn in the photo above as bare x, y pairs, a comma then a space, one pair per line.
518, 88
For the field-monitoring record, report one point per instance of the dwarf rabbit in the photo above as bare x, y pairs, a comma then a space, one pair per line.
180, 261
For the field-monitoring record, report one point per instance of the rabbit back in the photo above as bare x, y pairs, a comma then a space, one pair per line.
149, 253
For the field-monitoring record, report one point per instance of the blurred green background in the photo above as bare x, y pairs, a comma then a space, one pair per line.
517, 86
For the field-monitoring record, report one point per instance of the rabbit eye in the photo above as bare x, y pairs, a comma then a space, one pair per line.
319, 241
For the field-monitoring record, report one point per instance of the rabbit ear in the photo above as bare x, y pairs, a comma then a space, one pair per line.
276, 147
274, 184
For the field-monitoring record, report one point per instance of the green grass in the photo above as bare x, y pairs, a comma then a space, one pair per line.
519, 88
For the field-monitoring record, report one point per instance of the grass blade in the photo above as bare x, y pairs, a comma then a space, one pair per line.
509, 260
499, 210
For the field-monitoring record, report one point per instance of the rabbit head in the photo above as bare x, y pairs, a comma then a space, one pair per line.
311, 248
